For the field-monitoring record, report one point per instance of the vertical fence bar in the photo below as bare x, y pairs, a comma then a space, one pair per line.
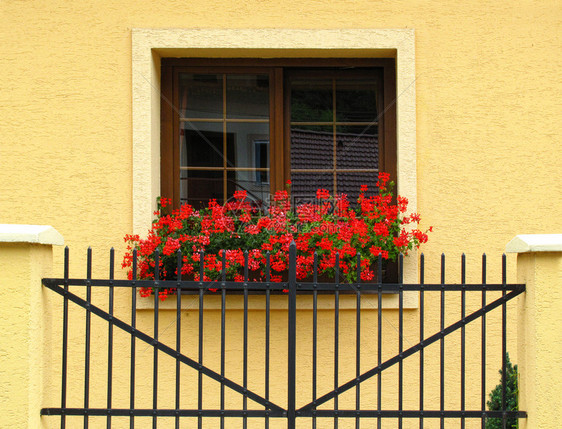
422, 309
110, 337
133, 340
400, 338
88, 334
483, 370
336, 338
267, 330
245, 346
315, 338
463, 339
155, 351
379, 340
223, 334
179, 265
64, 339
200, 341
358, 341
442, 341
292, 333
504, 340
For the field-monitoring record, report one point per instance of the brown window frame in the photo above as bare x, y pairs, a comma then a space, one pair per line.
278, 69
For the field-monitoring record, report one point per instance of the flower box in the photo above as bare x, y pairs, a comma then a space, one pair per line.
338, 232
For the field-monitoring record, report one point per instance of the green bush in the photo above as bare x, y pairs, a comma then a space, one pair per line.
511, 394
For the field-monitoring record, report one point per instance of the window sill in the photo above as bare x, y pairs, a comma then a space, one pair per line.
212, 302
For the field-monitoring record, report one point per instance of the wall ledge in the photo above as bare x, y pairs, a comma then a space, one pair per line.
39, 234
526, 243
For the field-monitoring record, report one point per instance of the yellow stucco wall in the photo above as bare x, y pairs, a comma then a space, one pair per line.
487, 84
24, 347
539, 330
486, 88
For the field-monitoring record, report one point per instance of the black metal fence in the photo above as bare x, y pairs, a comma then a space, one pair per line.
258, 402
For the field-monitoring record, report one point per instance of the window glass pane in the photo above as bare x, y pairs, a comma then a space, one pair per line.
357, 147
201, 95
197, 187
257, 192
242, 140
201, 144
312, 147
350, 184
356, 100
311, 100
247, 97
304, 185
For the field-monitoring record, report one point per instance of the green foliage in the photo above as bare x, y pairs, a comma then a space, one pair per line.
511, 395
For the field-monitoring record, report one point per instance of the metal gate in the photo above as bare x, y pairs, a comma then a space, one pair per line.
259, 405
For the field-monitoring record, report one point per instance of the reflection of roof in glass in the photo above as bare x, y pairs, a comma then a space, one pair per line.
314, 149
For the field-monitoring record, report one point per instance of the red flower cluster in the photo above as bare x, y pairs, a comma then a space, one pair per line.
329, 226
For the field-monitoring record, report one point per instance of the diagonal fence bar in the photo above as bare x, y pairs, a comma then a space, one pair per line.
164, 348
409, 352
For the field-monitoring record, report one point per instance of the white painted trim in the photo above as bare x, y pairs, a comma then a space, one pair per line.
525, 243
40, 234
149, 45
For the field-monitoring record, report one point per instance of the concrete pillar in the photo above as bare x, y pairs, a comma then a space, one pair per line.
539, 265
25, 257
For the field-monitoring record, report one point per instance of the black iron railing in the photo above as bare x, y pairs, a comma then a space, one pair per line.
257, 403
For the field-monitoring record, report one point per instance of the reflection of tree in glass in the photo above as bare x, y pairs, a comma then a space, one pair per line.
358, 105
302, 112
355, 102
311, 104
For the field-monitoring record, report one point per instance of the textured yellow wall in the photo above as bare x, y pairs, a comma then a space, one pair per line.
487, 85
24, 353
540, 348
487, 122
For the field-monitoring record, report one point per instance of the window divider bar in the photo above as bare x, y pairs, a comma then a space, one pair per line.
232, 120
336, 123
224, 141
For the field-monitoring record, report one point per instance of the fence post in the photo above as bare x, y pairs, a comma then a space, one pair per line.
25, 257
539, 328
292, 333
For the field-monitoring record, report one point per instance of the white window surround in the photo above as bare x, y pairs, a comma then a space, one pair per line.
150, 45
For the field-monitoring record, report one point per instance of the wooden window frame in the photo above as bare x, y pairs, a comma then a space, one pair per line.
279, 151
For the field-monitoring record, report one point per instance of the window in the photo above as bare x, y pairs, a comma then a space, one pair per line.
237, 124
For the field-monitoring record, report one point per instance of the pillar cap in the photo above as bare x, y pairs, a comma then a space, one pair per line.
39, 234
526, 243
